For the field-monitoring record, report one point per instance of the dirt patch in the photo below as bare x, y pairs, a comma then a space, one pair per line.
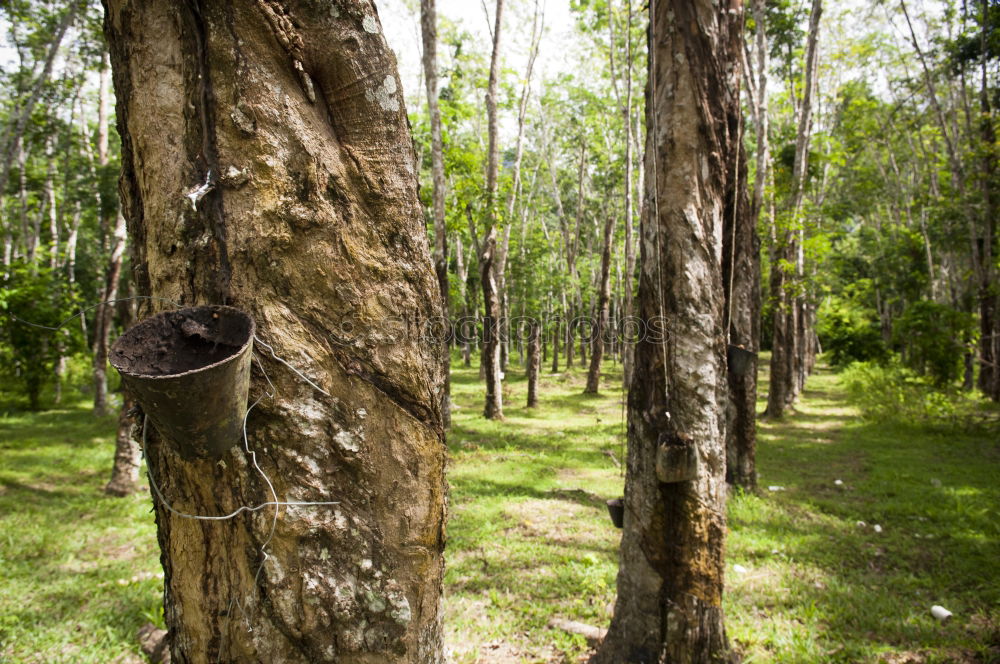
562, 521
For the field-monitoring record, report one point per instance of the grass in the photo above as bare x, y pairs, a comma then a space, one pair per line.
78, 569
529, 537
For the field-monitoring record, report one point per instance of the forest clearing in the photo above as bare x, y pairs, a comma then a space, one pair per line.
529, 537
604, 331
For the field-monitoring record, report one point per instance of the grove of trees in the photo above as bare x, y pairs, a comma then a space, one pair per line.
707, 178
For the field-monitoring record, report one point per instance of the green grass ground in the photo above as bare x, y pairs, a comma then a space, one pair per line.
529, 536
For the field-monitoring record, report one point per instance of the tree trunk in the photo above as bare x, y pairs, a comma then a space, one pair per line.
105, 316
291, 113
741, 273
601, 318
428, 30
49, 203
629, 277
128, 456
29, 233
491, 331
534, 361
780, 347
555, 345
669, 606
988, 290
466, 322
490, 367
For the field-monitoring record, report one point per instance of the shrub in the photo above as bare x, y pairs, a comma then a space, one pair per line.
849, 334
934, 338
892, 391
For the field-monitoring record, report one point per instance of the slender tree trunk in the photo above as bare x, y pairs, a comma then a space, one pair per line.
491, 331
629, 277
988, 290
292, 114
670, 579
49, 194
105, 316
462, 271
29, 232
741, 272
128, 455
534, 361
569, 342
428, 30
788, 357
103, 102
599, 330
491, 367
555, 345
71, 242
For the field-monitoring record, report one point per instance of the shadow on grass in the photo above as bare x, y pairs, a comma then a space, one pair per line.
934, 498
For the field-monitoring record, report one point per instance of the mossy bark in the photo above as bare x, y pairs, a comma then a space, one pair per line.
292, 114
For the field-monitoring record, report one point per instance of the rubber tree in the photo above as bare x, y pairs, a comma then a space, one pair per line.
670, 579
428, 33
267, 164
492, 330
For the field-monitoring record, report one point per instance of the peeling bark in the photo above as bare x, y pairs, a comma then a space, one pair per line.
293, 116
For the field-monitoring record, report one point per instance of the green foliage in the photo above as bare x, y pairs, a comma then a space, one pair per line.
30, 298
893, 392
849, 334
934, 338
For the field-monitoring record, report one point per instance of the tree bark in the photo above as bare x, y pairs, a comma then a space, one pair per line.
292, 114
428, 31
670, 579
104, 313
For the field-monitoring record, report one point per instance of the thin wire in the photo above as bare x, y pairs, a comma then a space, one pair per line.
242, 508
99, 304
294, 370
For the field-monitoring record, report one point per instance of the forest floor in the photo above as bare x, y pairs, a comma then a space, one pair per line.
809, 576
